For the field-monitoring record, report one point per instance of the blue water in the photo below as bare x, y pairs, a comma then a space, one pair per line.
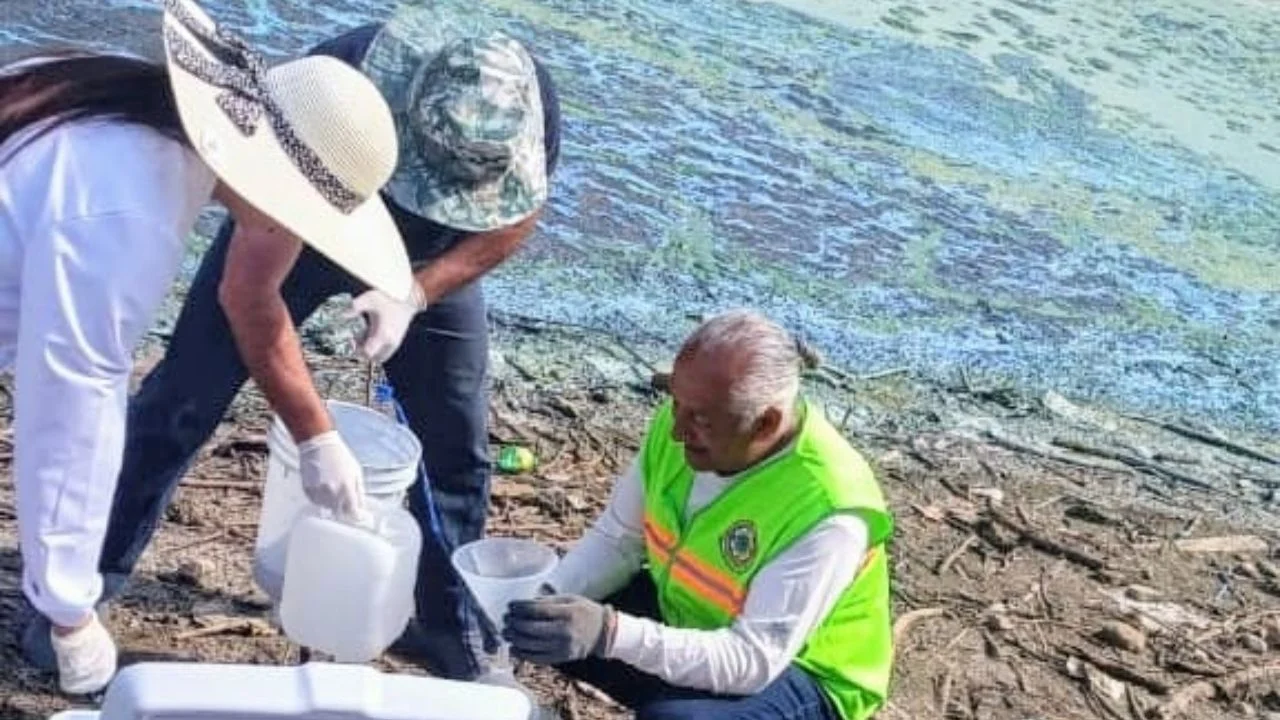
876, 193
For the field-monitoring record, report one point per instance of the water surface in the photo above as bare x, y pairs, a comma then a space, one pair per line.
1074, 195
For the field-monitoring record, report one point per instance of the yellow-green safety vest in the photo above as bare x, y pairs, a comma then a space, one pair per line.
703, 566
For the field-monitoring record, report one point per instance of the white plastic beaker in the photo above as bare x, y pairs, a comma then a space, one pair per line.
496, 571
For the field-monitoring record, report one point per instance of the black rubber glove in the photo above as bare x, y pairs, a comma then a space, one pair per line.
557, 629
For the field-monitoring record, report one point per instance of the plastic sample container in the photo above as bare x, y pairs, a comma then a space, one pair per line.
348, 590
498, 570
388, 452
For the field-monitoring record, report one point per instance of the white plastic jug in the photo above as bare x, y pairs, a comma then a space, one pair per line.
348, 590
388, 452
153, 691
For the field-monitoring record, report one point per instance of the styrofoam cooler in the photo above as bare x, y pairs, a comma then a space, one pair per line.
181, 691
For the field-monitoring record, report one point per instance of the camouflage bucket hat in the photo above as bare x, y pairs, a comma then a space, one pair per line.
468, 111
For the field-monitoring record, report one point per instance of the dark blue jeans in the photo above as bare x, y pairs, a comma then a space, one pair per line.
438, 375
792, 696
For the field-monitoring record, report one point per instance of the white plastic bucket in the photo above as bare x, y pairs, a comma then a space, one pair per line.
388, 452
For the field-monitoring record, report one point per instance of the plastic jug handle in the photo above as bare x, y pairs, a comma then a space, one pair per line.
362, 518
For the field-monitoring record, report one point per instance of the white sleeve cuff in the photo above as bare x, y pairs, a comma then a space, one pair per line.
628, 637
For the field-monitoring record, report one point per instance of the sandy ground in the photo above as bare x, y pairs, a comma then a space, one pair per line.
1032, 577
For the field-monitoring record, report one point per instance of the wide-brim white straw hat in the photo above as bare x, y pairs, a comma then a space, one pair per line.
309, 142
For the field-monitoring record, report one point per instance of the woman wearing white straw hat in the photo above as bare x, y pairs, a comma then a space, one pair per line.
106, 161
479, 123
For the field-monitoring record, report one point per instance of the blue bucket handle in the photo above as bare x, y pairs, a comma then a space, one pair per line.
384, 393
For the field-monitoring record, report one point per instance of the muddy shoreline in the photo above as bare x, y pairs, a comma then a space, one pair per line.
1051, 558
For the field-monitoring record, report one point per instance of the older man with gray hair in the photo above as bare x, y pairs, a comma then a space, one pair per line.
739, 569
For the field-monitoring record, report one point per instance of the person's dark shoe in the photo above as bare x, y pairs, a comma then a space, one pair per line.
37, 647
444, 655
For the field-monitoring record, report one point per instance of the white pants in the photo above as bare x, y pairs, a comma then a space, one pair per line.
93, 220
73, 304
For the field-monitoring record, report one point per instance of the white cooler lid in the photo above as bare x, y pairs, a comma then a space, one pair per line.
179, 691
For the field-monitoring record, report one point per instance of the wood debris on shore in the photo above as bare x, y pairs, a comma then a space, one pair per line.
1057, 575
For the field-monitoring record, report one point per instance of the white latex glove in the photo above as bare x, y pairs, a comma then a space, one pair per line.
331, 476
386, 321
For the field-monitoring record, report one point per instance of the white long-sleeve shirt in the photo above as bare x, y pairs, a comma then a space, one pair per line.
94, 217
787, 599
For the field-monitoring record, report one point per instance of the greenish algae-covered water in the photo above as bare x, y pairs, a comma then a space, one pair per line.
1083, 196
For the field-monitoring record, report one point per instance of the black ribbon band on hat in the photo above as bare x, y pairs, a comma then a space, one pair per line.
241, 73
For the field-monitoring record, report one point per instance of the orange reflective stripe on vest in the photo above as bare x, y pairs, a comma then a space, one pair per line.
866, 560
696, 576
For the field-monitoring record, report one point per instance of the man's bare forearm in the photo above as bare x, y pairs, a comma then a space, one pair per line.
471, 258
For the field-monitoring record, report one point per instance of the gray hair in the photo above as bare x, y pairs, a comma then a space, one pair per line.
771, 377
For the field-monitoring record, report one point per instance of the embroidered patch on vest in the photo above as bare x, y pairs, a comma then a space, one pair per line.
738, 544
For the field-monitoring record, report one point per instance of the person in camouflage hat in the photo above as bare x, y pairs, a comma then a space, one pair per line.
469, 106
478, 123
473, 153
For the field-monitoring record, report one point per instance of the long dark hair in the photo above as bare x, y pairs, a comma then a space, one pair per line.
66, 86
